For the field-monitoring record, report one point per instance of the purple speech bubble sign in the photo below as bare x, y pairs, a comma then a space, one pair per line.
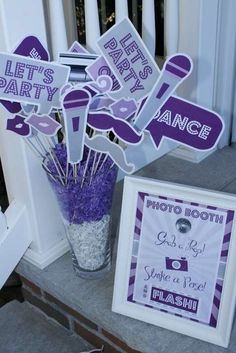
187, 123
103, 121
75, 109
18, 125
32, 47
44, 124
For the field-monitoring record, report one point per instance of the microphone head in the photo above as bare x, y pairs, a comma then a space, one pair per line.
76, 98
179, 65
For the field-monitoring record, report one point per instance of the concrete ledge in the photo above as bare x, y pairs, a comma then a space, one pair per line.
23, 329
77, 321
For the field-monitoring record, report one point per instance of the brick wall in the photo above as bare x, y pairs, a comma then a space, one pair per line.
73, 320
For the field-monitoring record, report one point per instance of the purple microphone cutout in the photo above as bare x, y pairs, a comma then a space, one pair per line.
175, 70
75, 108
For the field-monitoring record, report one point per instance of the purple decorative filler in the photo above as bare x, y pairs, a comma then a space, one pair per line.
85, 201
90, 202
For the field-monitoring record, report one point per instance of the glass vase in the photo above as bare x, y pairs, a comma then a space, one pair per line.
85, 203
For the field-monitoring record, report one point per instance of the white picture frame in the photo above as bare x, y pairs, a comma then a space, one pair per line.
216, 247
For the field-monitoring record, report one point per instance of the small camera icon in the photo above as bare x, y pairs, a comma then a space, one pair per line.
177, 264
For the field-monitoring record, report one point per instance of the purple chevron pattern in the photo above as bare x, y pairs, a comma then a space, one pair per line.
139, 215
223, 259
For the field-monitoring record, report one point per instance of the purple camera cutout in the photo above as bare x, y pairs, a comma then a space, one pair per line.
177, 264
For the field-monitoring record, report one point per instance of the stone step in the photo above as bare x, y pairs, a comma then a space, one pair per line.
88, 303
23, 329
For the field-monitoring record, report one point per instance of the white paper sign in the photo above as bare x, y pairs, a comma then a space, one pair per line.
180, 252
129, 59
31, 81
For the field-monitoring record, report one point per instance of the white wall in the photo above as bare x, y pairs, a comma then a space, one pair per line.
25, 180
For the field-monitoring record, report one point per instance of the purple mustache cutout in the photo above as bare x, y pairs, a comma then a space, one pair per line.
102, 144
103, 121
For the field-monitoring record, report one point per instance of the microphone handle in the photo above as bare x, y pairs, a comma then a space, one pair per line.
163, 89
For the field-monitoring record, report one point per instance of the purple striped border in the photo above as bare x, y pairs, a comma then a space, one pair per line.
139, 215
223, 259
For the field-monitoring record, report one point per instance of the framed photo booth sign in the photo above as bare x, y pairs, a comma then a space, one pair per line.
176, 266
